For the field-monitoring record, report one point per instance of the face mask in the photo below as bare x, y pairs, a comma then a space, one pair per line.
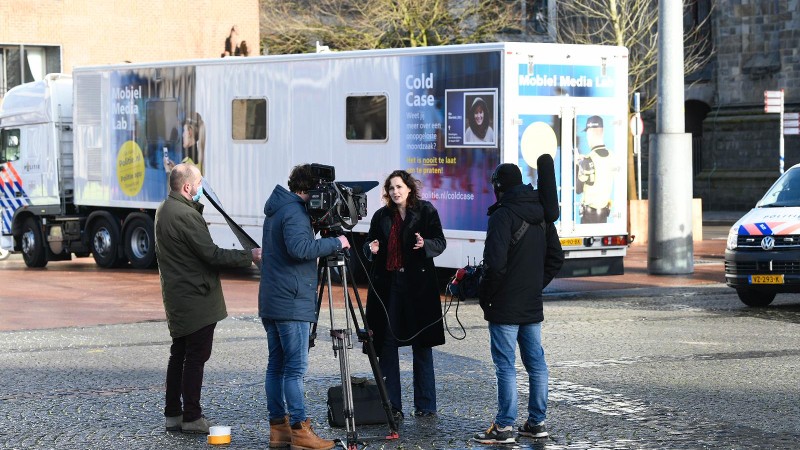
198, 195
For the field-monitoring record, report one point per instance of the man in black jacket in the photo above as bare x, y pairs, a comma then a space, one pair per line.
520, 260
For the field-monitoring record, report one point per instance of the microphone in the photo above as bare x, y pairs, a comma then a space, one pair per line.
548, 194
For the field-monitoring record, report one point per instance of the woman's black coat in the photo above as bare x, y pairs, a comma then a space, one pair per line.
423, 305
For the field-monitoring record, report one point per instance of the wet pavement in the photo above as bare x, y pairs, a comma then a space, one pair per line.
636, 362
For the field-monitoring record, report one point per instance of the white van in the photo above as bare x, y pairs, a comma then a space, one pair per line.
762, 256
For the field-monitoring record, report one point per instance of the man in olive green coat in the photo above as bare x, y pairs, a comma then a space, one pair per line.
188, 262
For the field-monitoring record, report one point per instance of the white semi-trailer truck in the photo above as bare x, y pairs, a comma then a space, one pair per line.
84, 158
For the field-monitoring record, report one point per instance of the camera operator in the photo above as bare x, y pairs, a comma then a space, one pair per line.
404, 237
287, 306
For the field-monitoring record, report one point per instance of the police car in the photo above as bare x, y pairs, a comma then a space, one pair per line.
762, 255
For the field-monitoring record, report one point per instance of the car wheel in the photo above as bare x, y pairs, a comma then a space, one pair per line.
33, 251
755, 299
104, 243
140, 243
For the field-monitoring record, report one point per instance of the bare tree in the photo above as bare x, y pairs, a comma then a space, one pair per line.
634, 25
293, 26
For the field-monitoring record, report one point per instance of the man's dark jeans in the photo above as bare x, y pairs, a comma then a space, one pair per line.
187, 358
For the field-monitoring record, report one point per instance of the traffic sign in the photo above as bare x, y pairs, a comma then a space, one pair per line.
773, 101
637, 125
791, 123
773, 94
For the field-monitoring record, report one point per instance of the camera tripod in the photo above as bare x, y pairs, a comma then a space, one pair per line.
342, 343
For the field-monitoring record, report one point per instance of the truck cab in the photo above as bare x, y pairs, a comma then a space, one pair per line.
39, 217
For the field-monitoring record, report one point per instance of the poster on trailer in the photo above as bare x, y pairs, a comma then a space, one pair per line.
153, 127
452, 154
596, 166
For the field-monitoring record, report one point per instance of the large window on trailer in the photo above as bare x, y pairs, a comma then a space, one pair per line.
365, 118
249, 119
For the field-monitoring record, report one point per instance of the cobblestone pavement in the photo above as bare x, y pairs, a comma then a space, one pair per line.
680, 368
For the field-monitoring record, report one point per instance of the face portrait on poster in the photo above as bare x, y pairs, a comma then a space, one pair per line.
471, 118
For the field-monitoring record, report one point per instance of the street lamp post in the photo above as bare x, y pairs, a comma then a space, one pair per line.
670, 248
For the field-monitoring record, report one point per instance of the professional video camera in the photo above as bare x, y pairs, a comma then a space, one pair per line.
333, 205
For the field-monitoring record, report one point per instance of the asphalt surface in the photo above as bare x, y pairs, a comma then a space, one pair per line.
636, 362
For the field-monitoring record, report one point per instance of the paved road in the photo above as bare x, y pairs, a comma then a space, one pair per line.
78, 293
678, 368
637, 362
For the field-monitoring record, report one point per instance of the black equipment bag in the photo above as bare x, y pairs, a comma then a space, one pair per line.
367, 406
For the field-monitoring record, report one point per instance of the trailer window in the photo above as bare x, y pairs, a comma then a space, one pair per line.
9, 145
366, 118
249, 117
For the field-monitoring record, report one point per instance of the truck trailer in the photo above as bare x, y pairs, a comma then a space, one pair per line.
85, 158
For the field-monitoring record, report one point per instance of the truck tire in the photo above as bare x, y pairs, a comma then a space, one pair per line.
755, 299
33, 251
140, 242
105, 242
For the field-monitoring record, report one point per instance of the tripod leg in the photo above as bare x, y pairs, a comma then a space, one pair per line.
342, 339
365, 336
341, 344
322, 274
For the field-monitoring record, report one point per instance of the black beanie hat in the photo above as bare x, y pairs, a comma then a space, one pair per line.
506, 176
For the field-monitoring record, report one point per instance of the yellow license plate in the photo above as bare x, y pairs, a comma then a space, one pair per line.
766, 279
571, 242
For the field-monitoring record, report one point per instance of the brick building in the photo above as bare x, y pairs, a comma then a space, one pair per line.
757, 48
735, 143
43, 36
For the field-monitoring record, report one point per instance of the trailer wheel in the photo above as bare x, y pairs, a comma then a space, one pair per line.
755, 299
140, 243
33, 251
104, 243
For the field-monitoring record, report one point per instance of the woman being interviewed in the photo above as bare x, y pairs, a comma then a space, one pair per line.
404, 237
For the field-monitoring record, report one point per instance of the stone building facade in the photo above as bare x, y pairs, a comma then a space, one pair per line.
42, 36
736, 151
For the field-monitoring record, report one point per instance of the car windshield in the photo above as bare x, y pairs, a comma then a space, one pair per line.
785, 192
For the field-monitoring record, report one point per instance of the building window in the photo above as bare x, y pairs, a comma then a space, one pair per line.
249, 117
536, 16
23, 63
365, 117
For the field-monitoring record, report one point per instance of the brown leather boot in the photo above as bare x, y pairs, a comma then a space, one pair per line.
280, 433
304, 438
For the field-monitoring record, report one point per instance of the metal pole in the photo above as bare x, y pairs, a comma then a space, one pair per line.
637, 143
523, 16
781, 136
670, 248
